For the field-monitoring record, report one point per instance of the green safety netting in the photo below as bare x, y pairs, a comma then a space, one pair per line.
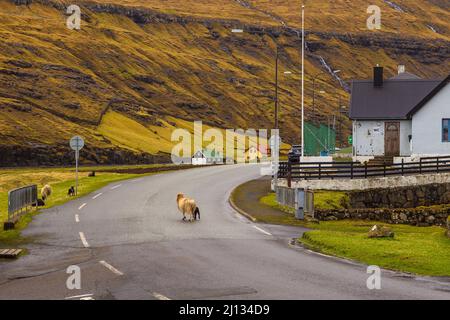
319, 140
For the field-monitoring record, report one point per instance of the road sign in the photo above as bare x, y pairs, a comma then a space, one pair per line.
350, 140
77, 143
273, 141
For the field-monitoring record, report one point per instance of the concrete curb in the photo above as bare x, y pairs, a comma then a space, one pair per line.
239, 210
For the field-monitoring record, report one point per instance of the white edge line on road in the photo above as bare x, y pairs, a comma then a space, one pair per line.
115, 187
110, 268
96, 196
263, 231
82, 206
83, 239
80, 296
77, 218
160, 296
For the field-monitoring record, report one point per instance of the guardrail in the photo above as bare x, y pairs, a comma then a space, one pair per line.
356, 170
302, 201
20, 201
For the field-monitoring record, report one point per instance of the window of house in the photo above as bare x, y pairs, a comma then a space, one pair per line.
445, 128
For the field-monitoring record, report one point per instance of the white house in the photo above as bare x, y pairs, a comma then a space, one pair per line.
404, 116
199, 159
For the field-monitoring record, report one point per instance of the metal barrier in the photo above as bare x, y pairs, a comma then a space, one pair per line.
20, 200
300, 199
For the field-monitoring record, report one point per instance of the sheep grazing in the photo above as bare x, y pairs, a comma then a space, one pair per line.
71, 192
46, 192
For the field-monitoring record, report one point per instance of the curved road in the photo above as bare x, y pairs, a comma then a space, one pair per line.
130, 243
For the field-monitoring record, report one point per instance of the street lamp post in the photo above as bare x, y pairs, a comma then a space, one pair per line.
303, 81
276, 89
277, 57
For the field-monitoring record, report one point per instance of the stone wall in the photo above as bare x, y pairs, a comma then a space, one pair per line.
418, 216
404, 197
370, 183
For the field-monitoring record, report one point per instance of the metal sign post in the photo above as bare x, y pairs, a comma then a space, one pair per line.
275, 143
76, 143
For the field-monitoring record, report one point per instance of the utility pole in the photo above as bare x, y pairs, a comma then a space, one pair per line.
276, 89
303, 81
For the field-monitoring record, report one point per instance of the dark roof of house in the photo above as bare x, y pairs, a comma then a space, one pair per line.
395, 100
405, 76
429, 96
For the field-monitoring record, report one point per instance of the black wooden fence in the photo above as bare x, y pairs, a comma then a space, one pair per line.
356, 170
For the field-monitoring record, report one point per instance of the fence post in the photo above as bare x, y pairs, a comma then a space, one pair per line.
420, 166
320, 171
289, 176
403, 166
384, 166
351, 169
365, 171
437, 164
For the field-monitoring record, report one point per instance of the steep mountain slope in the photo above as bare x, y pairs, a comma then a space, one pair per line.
162, 64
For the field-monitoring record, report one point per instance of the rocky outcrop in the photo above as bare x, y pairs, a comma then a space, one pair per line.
380, 232
43, 155
405, 197
22, 2
426, 216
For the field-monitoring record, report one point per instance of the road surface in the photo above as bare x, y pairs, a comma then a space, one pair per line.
130, 243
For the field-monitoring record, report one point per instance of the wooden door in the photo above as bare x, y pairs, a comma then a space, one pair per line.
392, 139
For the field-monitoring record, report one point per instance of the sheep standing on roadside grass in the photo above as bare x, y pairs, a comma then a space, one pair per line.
46, 192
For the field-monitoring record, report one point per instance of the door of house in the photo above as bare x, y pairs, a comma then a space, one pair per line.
392, 139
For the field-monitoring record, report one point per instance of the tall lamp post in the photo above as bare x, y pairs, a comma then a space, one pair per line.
277, 57
303, 80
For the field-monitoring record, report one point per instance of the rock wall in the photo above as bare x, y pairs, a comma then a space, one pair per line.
58, 155
403, 197
418, 216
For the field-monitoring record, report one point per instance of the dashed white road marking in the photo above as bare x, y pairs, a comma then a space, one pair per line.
115, 187
77, 218
82, 206
160, 296
263, 231
83, 239
96, 196
111, 268
81, 296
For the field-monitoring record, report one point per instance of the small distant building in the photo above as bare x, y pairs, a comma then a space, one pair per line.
254, 153
199, 159
206, 157
213, 157
404, 116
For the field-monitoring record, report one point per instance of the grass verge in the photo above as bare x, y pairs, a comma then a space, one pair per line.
323, 200
418, 250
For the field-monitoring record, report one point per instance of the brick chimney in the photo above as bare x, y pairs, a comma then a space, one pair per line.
378, 76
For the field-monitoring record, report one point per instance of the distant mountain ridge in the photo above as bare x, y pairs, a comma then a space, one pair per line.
163, 64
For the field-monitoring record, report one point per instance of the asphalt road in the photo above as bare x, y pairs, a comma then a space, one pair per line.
130, 243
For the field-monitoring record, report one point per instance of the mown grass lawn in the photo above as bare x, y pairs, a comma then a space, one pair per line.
419, 250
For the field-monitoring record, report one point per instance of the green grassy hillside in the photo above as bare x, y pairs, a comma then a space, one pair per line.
137, 69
